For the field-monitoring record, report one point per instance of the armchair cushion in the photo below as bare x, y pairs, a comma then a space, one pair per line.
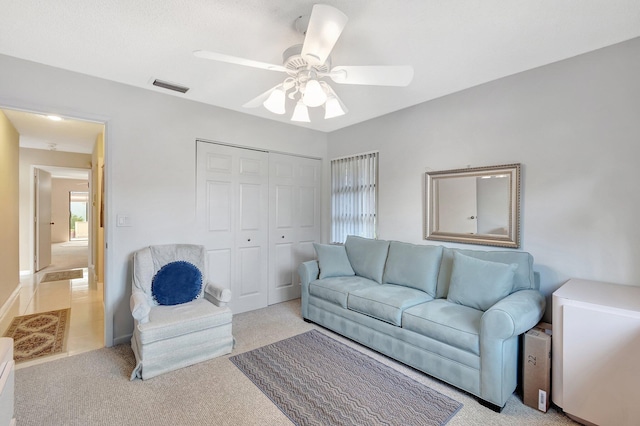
176, 283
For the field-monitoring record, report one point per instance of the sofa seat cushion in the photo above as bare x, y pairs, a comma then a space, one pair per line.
447, 322
386, 302
336, 289
167, 322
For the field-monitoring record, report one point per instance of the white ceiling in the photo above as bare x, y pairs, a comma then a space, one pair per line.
452, 45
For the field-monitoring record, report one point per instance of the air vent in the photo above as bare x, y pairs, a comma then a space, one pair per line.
170, 86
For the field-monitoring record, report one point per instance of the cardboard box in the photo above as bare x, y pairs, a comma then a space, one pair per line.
536, 367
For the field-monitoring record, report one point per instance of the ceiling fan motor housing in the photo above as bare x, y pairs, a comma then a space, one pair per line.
293, 61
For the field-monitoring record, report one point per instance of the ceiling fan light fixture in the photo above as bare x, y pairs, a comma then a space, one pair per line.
314, 94
276, 101
301, 113
333, 108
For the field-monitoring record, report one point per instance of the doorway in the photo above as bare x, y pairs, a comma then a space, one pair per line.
71, 146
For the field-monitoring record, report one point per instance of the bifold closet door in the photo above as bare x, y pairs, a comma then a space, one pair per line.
232, 204
294, 221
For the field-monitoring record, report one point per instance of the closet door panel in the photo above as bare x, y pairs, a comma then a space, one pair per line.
232, 201
294, 192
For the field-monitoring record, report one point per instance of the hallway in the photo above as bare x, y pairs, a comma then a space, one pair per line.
82, 295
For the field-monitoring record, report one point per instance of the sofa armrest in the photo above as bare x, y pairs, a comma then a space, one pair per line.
140, 308
308, 271
217, 295
500, 327
513, 315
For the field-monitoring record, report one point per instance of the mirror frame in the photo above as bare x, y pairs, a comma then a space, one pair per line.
511, 240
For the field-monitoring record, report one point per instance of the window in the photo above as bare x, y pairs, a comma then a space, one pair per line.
354, 195
78, 214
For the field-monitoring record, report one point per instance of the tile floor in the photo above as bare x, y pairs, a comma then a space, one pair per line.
82, 295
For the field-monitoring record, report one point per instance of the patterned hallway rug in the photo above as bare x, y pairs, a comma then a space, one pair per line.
62, 275
316, 380
39, 335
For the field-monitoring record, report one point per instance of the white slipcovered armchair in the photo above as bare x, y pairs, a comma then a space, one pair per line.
180, 318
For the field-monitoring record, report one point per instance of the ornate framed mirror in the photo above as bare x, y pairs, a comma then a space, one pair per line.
478, 205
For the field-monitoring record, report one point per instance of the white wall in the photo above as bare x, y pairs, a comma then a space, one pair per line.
150, 157
575, 127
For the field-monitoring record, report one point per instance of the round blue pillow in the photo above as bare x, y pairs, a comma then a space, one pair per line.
176, 283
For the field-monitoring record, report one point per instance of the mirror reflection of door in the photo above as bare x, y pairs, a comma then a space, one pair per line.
78, 214
457, 205
493, 205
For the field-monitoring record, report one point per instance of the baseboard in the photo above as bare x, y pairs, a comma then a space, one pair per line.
122, 340
7, 305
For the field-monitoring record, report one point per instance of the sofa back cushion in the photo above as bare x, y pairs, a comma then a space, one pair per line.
478, 283
522, 279
414, 266
367, 256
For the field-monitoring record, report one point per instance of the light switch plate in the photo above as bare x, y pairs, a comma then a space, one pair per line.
123, 220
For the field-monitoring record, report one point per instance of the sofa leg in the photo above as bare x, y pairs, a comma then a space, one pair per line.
307, 320
489, 405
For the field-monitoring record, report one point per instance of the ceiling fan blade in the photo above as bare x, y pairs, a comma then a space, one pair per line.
325, 26
206, 54
373, 75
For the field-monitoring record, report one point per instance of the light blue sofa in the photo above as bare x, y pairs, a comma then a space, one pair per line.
454, 314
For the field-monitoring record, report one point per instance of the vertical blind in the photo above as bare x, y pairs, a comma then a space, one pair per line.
354, 194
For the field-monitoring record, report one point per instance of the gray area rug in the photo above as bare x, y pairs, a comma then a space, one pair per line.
62, 275
316, 380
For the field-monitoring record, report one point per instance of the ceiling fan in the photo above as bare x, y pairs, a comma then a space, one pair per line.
308, 64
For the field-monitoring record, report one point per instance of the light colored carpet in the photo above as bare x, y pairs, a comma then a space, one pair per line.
93, 388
